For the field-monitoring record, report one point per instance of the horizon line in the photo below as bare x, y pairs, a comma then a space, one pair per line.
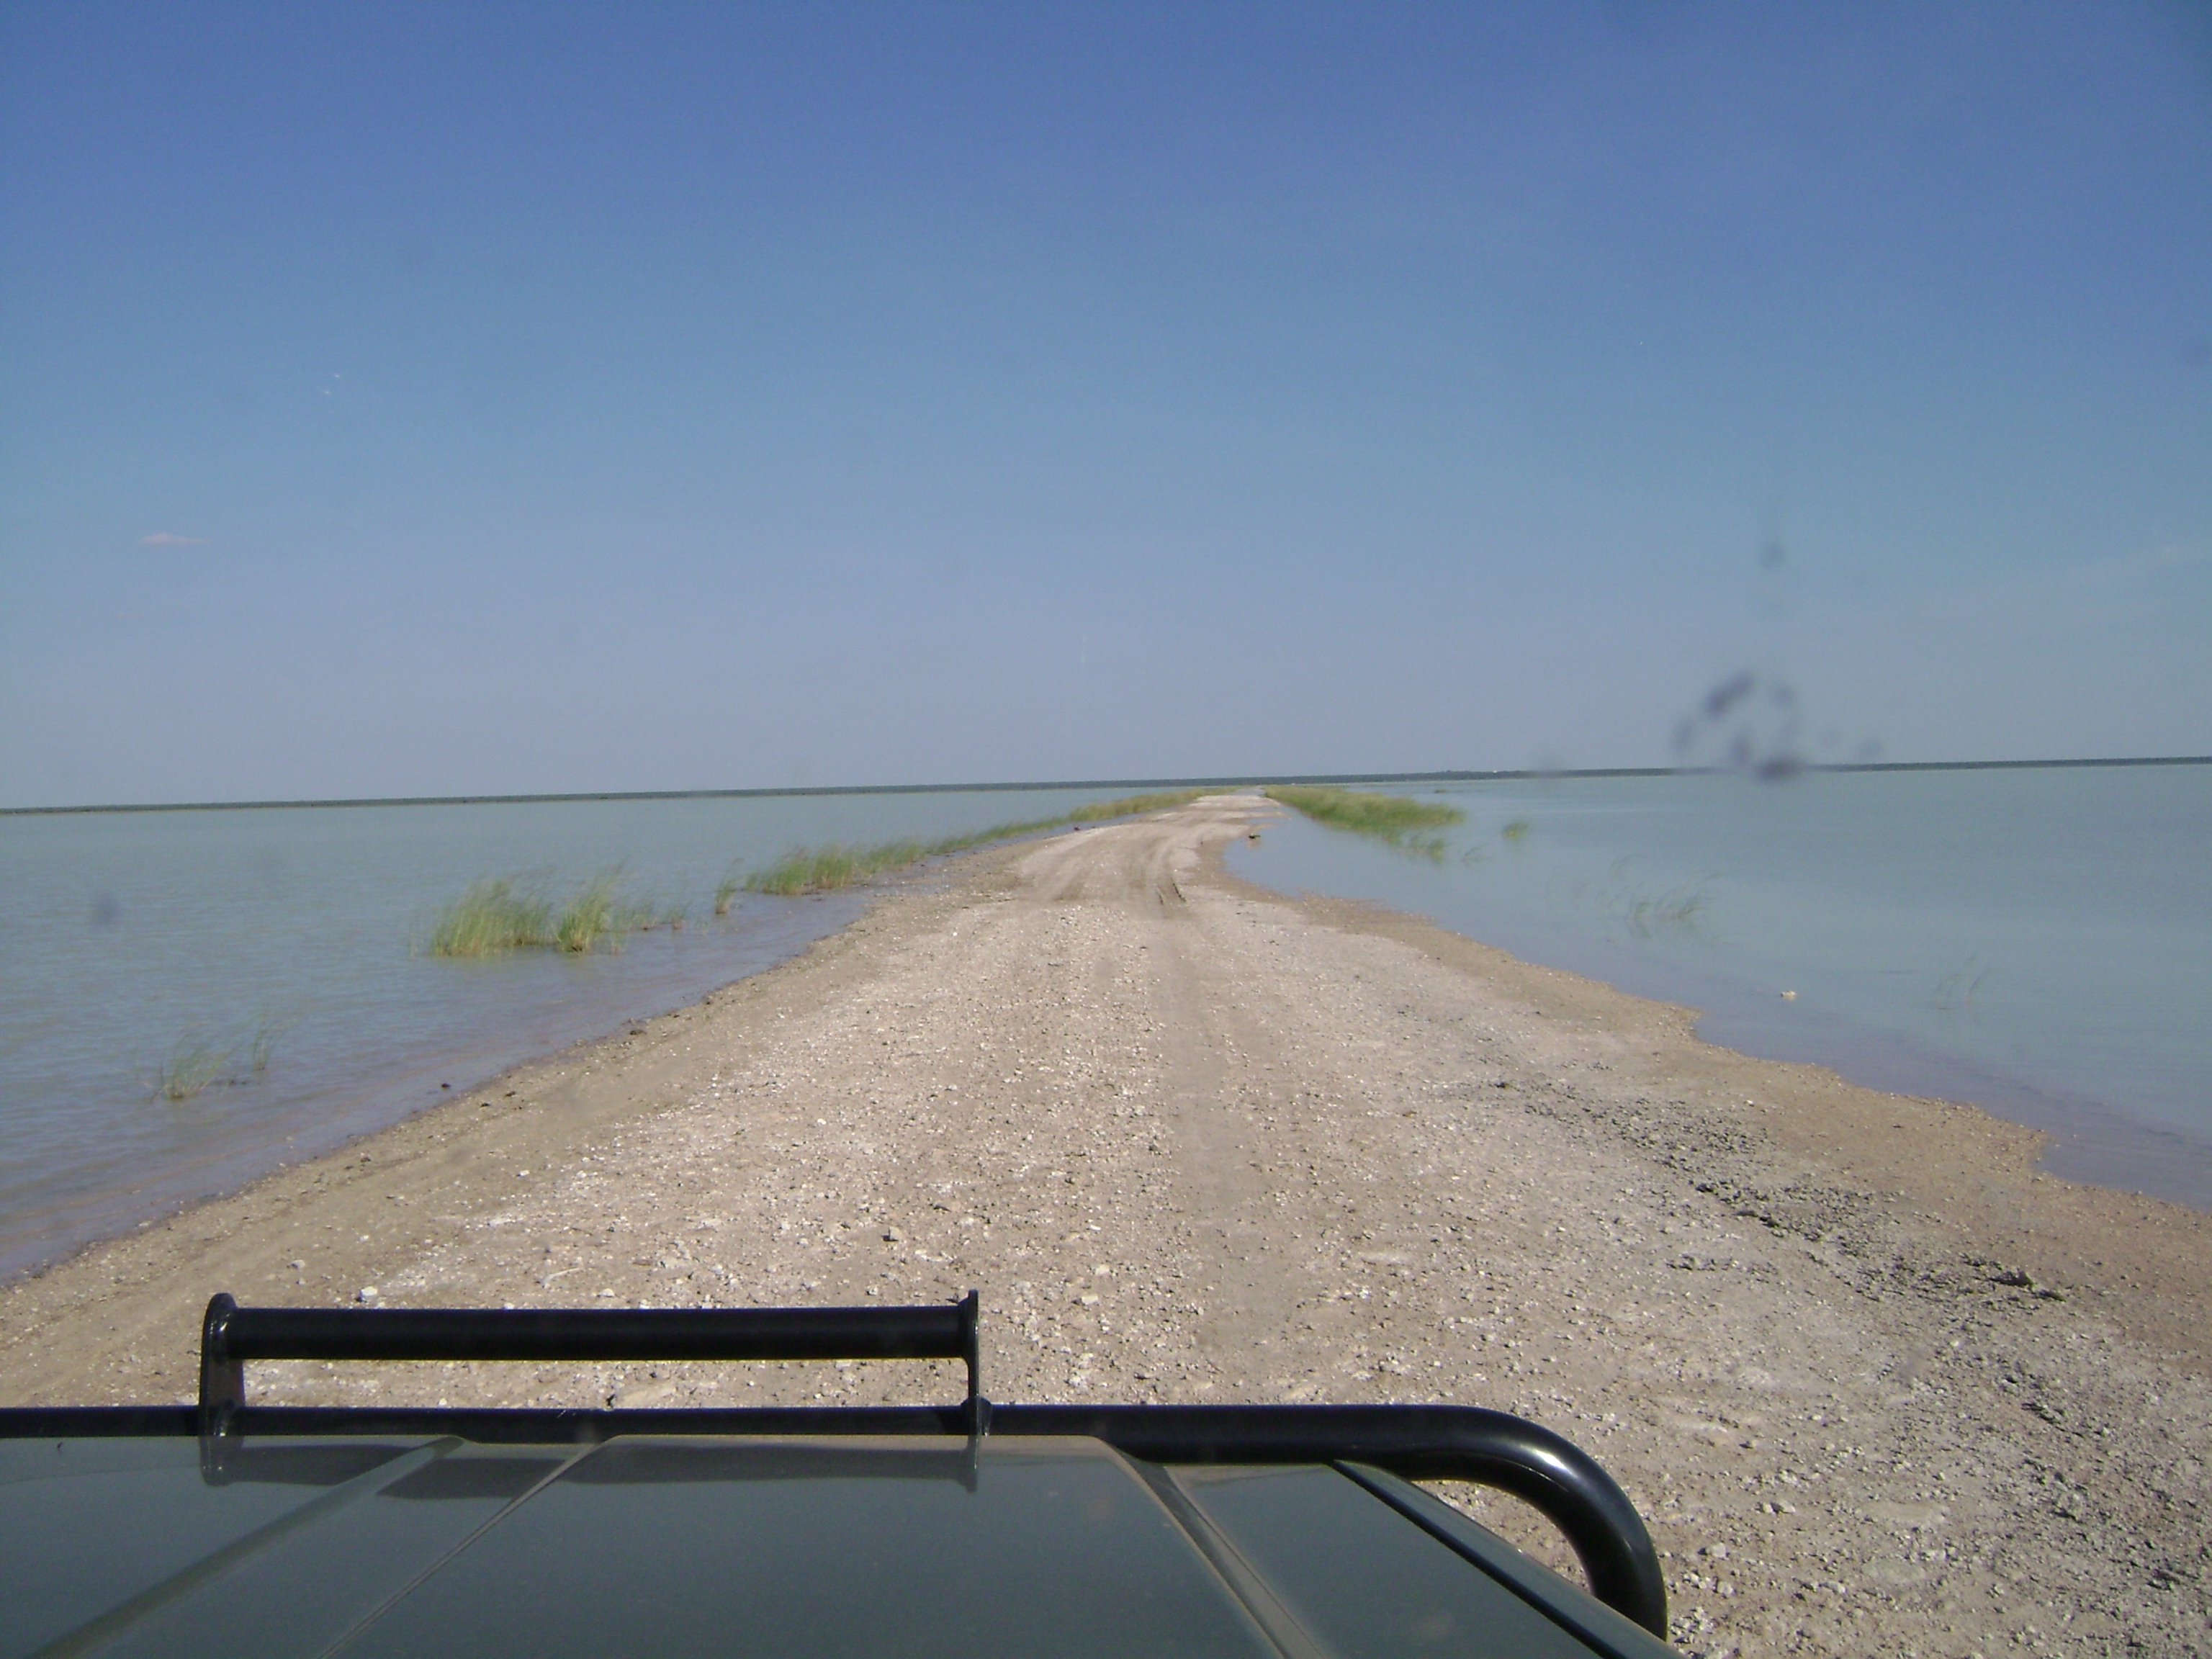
1223, 781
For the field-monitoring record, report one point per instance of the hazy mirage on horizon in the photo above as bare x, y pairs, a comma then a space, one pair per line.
492, 399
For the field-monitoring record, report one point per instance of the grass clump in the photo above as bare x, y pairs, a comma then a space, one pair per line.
807, 870
726, 891
1411, 826
492, 917
495, 917
599, 911
587, 916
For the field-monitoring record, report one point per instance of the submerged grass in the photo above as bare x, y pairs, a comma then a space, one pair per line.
1649, 912
191, 1067
261, 1042
1411, 826
199, 1062
1679, 910
826, 869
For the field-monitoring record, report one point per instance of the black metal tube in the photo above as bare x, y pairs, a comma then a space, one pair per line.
1417, 1442
597, 1333
1421, 1442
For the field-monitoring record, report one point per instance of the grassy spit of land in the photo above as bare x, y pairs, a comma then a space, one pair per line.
825, 869
495, 916
1411, 826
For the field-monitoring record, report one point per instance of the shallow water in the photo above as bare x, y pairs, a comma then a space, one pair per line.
134, 937
2036, 941
2039, 942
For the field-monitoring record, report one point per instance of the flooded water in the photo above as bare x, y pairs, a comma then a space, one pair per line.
2036, 941
280, 947
2039, 942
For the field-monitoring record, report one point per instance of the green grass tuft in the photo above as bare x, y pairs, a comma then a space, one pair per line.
1411, 826
1516, 831
495, 917
726, 891
600, 912
492, 917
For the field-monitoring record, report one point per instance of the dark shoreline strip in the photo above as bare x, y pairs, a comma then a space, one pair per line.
1240, 782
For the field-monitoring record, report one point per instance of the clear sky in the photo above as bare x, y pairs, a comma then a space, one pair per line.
458, 398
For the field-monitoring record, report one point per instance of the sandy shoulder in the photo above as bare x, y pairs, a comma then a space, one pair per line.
1878, 1384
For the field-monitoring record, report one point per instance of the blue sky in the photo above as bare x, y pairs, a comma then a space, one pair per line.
482, 398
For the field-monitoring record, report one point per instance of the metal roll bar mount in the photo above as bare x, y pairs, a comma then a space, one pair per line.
1432, 1443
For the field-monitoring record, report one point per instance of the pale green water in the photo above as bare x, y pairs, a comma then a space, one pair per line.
2036, 941
131, 933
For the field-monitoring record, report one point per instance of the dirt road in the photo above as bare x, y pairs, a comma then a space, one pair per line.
1877, 1385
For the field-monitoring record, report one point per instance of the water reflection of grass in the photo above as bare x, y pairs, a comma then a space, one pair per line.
1411, 826
825, 869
